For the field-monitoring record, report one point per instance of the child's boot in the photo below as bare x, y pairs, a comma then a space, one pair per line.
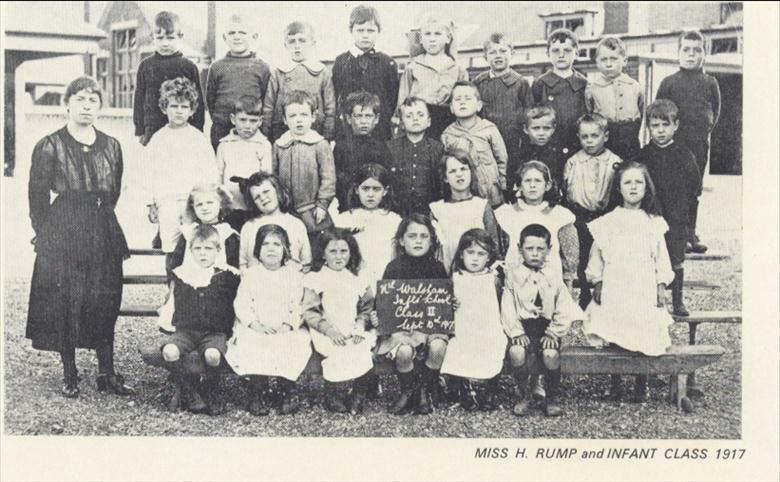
640, 389
357, 394
216, 404
488, 403
373, 386
428, 380
524, 404
678, 307
257, 403
177, 379
290, 402
70, 387
405, 400
468, 395
551, 407
615, 388
195, 403
334, 397
538, 392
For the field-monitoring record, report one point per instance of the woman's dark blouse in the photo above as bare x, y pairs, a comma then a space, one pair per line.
408, 267
60, 163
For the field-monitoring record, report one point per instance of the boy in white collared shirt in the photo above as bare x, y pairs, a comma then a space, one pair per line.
587, 182
617, 97
301, 72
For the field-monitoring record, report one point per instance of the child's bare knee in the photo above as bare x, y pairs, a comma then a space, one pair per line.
171, 353
551, 359
517, 355
437, 349
212, 357
404, 355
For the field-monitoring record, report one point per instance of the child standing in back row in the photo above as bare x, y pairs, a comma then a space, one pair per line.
432, 75
617, 97
481, 139
505, 94
239, 73
167, 63
697, 96
563, 88
363, 68
302, 72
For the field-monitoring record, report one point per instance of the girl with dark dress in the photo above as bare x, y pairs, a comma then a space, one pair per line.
76, 288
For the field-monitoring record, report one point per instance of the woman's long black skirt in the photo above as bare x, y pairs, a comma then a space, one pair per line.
76, 288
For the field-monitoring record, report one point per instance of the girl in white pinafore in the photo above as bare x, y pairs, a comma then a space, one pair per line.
460, 210
370, 219
476, 352
269, 339
337, 306
630, 267
537, 204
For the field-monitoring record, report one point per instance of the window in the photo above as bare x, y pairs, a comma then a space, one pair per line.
125, 58
587, 54
724, 45
731, 13
102, 76
575, 24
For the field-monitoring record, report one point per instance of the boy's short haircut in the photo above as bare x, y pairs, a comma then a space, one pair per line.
594, 118
249, 105
167, 22
467, 83
364, 14
539, 111
180, 88
83, 83
692, 35
205, 232
411, 101
497, 38
536, 231
298, 97
299, 27
562, 35
363, 99
663, 109
612, 43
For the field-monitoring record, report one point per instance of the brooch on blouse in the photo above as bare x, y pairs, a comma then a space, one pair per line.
85, 148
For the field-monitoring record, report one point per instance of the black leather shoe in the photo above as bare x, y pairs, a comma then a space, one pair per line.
115, 384
70, 390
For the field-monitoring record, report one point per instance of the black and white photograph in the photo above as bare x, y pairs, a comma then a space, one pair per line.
368, 222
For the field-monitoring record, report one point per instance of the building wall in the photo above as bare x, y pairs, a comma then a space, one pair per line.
679, 15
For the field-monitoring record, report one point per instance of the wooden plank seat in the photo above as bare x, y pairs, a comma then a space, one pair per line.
679, 361
708, 256
697, 317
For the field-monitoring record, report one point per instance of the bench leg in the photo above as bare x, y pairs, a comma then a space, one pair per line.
693, 391
679, 392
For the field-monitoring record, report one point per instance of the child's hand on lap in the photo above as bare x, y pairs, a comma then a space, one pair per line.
357, 339
521, 340
455, 303
374, 318
319, 214
549, 343
152, 215
336, 336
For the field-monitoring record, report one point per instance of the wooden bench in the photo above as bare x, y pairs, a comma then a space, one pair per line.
679, 361
708, 256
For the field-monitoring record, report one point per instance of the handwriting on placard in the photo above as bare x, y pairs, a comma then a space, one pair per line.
415, 305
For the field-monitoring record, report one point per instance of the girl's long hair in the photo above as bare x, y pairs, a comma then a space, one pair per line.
339, 234
417, 218
285, 201
649, 203
224, 200
473, 236
551, 196
276, 230
372, 171
464, 158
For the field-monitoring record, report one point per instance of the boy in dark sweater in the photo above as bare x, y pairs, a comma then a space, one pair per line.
415, 160
363, 68
203, 316
677, 181
697, 96
357, 146
240, 73
505, 94
167, 63
563, 89
540, 128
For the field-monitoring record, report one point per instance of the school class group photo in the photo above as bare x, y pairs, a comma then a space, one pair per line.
534, 204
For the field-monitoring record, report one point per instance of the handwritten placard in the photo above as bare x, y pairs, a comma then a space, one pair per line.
415, 304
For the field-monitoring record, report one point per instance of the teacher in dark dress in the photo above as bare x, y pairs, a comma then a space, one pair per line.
76, 287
